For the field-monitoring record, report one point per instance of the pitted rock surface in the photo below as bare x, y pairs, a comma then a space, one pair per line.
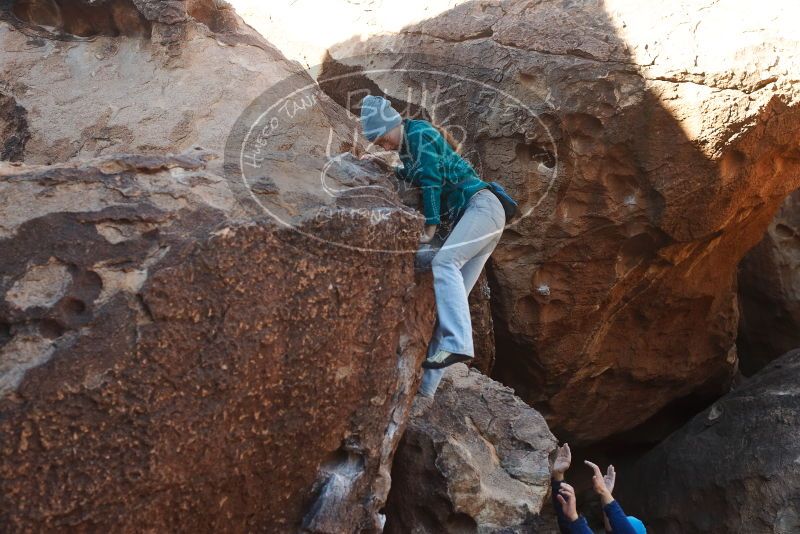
650, 155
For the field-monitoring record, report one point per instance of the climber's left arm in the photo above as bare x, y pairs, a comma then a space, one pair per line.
427, 152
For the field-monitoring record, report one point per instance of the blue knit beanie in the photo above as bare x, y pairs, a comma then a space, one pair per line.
637, 525
377, 116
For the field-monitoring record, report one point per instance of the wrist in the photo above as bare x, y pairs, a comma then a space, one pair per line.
558, 475
606, 498
573, 517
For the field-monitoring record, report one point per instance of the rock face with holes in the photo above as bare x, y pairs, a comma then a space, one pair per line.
769, 291
185, 346
474, 458
738, 458
170, 362
648, 156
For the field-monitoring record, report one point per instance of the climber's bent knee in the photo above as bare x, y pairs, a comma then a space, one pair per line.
446, 261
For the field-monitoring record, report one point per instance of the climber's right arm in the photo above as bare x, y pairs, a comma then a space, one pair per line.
563, 522
576, 523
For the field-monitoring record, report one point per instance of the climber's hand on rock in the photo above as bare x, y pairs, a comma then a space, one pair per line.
563, 461
379, 161
566, 496
599, 483
428, 233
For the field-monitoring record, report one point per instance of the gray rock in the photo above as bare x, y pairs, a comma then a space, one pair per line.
731, 469
769, 291
474, 458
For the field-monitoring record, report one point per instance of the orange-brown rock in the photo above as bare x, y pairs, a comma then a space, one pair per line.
183, 347
169, 363
648, 155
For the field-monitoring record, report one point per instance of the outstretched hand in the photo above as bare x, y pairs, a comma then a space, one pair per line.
569, 505
379, 161
610, 478
600, 482
562, 462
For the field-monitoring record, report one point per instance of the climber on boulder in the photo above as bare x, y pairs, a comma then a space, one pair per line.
453, 191
564, 502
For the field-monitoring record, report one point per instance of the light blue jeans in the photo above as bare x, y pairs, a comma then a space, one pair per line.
456, 267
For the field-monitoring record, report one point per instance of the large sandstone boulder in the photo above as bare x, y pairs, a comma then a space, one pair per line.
769, 291
168, 363
649, 155
185, 346
475, 458
731, 469
193, 75
148, 77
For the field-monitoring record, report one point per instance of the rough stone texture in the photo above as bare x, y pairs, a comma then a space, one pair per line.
480, 309
13, 129
160, 90
652, 156
182, 349
171, 362
475, 458
85, 19
769, 291
733, 468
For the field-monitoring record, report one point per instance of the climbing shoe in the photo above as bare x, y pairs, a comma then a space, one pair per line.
443, 358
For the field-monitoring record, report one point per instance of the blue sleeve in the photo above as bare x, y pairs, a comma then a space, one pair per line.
580, 526
617, 518
563, 522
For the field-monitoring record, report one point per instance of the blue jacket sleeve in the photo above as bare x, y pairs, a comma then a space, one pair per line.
427, 150
579, 526
563, 522
617, 518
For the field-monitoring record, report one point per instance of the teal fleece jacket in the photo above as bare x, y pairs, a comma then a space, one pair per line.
447, 180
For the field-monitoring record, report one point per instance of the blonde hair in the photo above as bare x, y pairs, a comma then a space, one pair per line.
448, 137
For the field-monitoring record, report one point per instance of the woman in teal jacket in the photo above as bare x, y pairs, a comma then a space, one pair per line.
451, 190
